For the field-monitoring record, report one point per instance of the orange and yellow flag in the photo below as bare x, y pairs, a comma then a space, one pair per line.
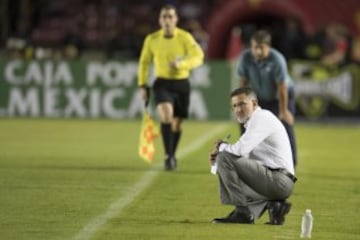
149, 131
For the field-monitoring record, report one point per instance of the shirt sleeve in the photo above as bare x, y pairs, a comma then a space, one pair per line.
144, 63
194, 54
281, 71
240, 67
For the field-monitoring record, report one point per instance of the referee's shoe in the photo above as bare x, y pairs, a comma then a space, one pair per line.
170, 163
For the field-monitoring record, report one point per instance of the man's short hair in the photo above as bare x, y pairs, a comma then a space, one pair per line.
244, 90
169, 7
261, 36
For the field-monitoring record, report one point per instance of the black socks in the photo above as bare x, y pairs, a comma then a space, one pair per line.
176, 138
167, 138
170, 139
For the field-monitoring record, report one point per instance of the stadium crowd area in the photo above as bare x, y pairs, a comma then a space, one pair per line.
69, 29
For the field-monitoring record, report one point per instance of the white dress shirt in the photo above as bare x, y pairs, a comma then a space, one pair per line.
265, 140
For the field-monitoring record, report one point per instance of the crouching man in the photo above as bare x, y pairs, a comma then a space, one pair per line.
256, 173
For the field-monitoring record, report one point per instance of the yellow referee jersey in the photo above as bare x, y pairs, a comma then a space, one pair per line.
161, 51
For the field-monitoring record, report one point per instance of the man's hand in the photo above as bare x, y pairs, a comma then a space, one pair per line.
215, 151
287, 117
174, 64
145, 94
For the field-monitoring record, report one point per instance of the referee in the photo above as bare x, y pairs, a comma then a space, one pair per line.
174, 53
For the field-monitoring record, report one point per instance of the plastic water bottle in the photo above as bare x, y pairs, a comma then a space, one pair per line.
306, 224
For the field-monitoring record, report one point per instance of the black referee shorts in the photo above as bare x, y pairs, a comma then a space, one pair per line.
175, 91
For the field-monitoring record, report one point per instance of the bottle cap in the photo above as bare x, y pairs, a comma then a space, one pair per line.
308, 211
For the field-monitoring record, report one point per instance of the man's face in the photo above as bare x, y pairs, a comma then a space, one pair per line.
168, 20
259, 50
243, 106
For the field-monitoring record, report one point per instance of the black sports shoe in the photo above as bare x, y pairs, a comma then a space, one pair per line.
170, 163
277, 211
236, 217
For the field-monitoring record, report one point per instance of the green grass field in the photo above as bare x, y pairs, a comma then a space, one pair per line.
77, 179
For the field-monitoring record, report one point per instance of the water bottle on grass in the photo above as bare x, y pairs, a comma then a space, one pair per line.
306, 224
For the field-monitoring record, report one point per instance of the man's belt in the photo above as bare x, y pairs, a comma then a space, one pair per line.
283, 171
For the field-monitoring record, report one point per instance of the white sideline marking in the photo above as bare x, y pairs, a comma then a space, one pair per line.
118, 205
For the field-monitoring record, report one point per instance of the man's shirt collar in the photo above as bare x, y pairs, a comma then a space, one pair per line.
257, 109
175, 32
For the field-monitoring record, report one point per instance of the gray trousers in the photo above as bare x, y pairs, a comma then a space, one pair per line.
246, 182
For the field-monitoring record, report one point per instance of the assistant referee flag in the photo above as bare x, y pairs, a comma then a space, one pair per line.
149, 131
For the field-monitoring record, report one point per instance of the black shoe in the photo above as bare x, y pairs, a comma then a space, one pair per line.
170, 163
236, 217
277, 211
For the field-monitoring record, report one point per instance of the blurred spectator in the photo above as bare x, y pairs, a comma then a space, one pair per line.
124, 40
43, 53
73, 44
235, 44
16, 47
189, 10
292, 40
355, 49
200, 35
314, 42
122, 45
335, 45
